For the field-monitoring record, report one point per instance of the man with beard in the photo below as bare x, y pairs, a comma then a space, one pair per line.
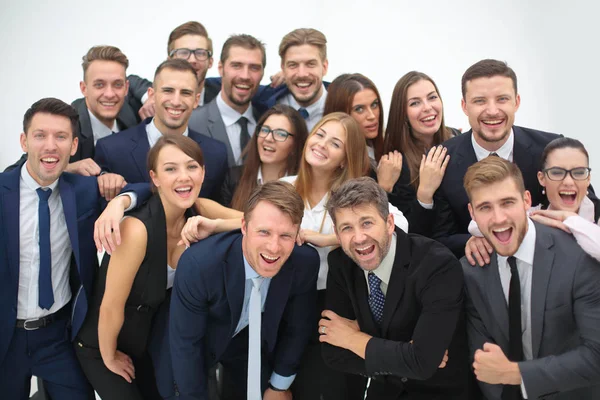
490, 101
304, 63
175, 94
189, 41
546, 343
394, 302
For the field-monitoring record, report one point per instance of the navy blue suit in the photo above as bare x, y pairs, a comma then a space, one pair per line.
125, 154
207, 302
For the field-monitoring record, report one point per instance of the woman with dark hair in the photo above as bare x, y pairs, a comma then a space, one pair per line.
273, 152
416, 128
565, 177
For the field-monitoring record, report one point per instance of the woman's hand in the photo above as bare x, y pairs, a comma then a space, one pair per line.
478, 249
432, 170
121, 365
315, 238
552, 218
197, 228
389, 170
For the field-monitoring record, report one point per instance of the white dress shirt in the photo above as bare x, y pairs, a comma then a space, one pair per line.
29, 250
230, 118
154, 134
315, 110
384, 270
99, 129
524, 256
317, 219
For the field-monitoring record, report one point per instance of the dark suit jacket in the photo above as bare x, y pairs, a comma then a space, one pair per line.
207, 303
79, 196
423, 304
565, 318
450, 202
125, 154
85, 148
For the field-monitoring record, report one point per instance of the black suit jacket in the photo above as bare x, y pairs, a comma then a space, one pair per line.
423, 304
450, 201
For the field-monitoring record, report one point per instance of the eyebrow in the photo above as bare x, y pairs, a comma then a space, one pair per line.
427, 95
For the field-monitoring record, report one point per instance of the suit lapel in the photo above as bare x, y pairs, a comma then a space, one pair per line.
397, 280
361, 293
543, 262
67, 196
235, 282
216, 129
10, 208
521, 154
496, 298
140, 150
279, 292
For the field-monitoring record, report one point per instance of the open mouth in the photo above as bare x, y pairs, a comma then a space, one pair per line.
492, 122
365, 251
269, 149
108, 104
503, 234
269, 259
49, 162
568, 196
303, 86
184, 191
173, 112
243, 88
429, 121
318, 154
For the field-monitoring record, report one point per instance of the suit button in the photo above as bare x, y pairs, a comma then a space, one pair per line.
404, 380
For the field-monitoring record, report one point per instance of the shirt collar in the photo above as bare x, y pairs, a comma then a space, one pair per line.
31, 183
505, 152
526, 250
99, 128
314, 107
384, 270
154, 134
259, 177
231, 116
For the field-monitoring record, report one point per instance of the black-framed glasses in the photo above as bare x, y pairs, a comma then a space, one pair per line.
279, 135
184, 54
558, 173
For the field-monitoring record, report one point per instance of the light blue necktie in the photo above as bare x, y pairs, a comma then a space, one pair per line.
254, 353
46, 295
376, 297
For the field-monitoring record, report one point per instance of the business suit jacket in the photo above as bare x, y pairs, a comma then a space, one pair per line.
450, 201
423, 304
565, 318
207, 121
125, 154
85, 148
207, 302
79, 196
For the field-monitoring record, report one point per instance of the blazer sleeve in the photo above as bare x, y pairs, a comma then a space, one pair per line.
440, 293
138, 87
444, 227
579, 367
101, 157
187, 327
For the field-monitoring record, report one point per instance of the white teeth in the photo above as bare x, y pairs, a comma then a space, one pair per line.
303, 84
174, 112
269, 258
50, 159
108, 104
242, 87
567, 193
429, 118
364, 248
492, 122
265, 148
184, 189
319, 154
501, 229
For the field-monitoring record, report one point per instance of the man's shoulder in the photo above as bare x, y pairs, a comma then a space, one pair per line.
209, 146
10, 179
533, 135
458, 141
119, 138
427, 256
305, 256
213, 248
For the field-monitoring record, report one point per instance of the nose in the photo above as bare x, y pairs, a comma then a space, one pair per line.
568, 179
109, 91
499, 216
359, 236
302, 70
273, 244
370, 114
492, 108
245, 72
270, 137
176, 99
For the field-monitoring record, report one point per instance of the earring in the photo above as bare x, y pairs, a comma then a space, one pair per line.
544, 191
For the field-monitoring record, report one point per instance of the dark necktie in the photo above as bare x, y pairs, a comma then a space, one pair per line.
376, 297
304, 112
244, 135
493, 153
515, 340
45, 275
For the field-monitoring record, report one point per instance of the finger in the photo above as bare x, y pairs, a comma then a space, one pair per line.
129, 370
422, 166
469, 256
550, 222
97, 240
441, 156
445, 163
116, 232
124, 375
482, 252
106, 237
488, 246
101, 186
94, 168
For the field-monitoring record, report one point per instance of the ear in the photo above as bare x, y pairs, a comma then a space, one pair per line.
83, 88
244, 226
74, 145
150, 92
390, 225
463, 104
210, 63
220, 69
126, 86
541, 178
23, 141
517, 102
471, 211
154, 178
325, 66
196, 100
527, 200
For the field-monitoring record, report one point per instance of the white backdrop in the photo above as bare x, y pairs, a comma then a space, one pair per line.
550, 44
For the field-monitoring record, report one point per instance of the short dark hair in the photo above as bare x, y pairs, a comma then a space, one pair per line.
487, 69
562, 143
357, 192
52, 106
245, 41
491, 170
175, 64
103, 53
188, 28
282, 195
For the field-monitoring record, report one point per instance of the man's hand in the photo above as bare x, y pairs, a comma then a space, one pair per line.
271, 394
195, 229
110, 185
147, 109
121, 365
491, 366
389, 170
85, 167
444, 360
478, 249
553, 218
107, 235
342, 332
277, 79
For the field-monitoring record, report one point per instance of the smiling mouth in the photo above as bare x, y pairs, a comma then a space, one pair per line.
184, 191
429, 119
503, 234
174, 112
365, 251
318, 154
49, 162
492, 122
107, 104
269, 259
269, 149
568, 196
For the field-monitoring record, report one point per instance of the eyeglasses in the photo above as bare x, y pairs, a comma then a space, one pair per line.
558, 174
279, 135
183, 53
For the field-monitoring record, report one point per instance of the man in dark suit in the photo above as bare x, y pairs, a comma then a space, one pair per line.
226, 281
490, 100
189, 41
175, 95
546, 343
47, 257
103, 109
230, 117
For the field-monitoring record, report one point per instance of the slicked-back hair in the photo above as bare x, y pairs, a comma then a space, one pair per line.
176, 64
103, 53
53, 106
488, 68
188, 28
282, 195
246, 42
301, 36
562, 143
491, 170
358, 192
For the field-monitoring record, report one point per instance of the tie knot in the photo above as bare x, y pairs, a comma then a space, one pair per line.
257, 282
304, 112
374, 281
493, 154
44, 195
512, 262
243, 121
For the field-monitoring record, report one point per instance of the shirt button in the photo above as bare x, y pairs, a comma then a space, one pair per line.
404, 380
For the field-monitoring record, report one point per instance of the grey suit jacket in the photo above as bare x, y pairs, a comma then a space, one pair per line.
565, 318
207, 121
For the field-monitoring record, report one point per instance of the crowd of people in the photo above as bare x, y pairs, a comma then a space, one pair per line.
278, 242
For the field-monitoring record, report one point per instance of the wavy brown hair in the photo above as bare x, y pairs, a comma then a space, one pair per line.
340, 96
398, 133
247, 182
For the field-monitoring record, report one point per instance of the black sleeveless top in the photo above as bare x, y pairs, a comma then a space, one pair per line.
147, 292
